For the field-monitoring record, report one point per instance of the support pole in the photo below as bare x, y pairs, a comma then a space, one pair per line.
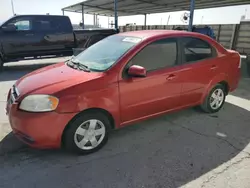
116, 16
13, 9
82, 16
63, 12
192, 6
145, 21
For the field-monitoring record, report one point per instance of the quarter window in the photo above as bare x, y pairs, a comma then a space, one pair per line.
157, 55
196, 50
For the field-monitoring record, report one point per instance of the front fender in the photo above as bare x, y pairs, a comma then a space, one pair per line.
106, 99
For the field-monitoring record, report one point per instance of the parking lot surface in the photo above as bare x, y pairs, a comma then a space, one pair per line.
183, 149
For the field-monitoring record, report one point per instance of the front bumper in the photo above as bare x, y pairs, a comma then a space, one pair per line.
39, 130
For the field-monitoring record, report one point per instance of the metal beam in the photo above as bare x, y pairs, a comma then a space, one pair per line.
191, 17
115, 13
63, 12
145, 21
134, 8
83, 16
110, 9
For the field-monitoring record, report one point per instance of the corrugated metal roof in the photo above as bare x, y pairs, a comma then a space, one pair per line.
137, 7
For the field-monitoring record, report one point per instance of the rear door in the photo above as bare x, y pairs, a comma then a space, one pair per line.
55, 34
199, 68
160, 90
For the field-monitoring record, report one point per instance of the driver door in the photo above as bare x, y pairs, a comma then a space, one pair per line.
20, 41
160, 90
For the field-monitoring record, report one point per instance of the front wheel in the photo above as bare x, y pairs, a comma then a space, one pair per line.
87, 133
215, 99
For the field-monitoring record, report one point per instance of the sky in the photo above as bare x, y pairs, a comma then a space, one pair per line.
226, 15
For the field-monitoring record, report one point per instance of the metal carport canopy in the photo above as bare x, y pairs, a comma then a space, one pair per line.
137, 7
143, 7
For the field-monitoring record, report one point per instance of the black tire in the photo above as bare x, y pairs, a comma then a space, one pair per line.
69, 136
206, 106
1, 65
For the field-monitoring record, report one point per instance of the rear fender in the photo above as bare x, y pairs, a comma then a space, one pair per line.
217, 79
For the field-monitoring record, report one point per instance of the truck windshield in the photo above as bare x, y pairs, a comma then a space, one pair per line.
103, 54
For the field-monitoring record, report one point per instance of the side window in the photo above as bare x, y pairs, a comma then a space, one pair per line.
42, 24
95, 39
196, 49
21, 24
157, 55
60, 24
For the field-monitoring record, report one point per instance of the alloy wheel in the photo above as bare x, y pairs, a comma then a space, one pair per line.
217, 98
89, 134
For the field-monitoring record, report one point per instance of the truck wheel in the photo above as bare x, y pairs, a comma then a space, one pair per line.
1, 65
214, 100
87, 133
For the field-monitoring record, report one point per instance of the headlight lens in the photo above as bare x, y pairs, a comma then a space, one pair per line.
39, 103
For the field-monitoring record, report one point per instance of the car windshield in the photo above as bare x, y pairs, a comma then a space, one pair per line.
105, 53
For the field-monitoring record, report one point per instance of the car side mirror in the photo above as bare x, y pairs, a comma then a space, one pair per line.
137, 71
10, 27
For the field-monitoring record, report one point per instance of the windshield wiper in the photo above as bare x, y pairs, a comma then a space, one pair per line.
76, 64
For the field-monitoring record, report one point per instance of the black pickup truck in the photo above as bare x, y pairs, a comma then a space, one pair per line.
42, 35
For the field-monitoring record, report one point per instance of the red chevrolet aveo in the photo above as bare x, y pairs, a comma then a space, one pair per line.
122, 79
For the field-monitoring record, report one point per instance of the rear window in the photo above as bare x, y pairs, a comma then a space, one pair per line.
96, 38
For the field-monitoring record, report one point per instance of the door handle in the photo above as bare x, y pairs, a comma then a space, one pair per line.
171, 77
213, 67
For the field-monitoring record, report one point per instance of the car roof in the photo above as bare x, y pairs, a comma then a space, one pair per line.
39, 15
144, 34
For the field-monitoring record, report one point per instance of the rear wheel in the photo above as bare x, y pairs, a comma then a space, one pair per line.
215, 99
87, 133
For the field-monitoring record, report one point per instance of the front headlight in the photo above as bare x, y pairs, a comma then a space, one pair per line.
39, 103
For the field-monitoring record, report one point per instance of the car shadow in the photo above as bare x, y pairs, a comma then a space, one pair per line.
169, 151
11, 73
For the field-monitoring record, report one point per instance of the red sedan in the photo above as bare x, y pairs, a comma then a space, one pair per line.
120, 80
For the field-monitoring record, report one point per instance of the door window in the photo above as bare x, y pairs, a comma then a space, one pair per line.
42, 24
157, 55
21, 24
55, 24
196, 50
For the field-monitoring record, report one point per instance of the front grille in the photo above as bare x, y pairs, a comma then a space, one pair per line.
14, 94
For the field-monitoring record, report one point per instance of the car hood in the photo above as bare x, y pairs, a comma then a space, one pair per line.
53, 78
